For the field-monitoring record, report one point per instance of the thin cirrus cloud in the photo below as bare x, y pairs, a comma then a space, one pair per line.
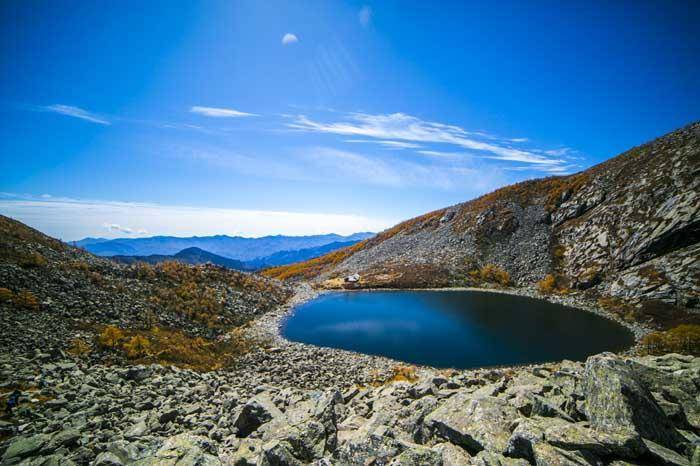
395, 172
218, 112
75, 112
388, 144
402, 127
289, 38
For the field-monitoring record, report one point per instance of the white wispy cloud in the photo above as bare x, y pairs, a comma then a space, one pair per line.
75, 112
289, 38
364, 16
73, 219
217, 112
402, 127
336, 165
388, 144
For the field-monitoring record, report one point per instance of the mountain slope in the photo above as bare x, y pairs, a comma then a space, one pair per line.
290, 257
232, 247
192, 256
627, 228
53, 293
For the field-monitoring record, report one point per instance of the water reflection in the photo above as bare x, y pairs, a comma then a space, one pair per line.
460, 329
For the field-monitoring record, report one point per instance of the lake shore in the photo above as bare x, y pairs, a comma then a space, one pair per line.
343, 368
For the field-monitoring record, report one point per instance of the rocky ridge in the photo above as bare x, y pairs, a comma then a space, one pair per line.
627, 228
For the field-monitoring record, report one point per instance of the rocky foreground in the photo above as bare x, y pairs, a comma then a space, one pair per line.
608, 410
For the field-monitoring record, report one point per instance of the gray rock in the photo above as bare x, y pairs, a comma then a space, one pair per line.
617, 400
257, 411
108, 459
451, 455
473, 423
24, 447
276, 453
665, 456
577, 437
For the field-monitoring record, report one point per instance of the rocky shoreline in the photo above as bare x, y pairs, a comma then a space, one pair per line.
291, 403
268, 326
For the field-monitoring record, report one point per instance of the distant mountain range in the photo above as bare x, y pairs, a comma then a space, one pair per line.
196, 256
290, 257
192, 256
230, 247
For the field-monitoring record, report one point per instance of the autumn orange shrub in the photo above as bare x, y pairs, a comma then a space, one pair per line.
402, 373
144, 271
6, 295
547, 285
494, 274
110, 337
26, 300
136, 346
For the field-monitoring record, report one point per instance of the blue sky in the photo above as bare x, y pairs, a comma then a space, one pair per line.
248, 117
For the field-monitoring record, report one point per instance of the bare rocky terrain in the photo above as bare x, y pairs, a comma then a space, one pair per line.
174, 364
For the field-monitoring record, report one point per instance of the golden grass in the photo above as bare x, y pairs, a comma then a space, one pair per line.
172, 347
683, 339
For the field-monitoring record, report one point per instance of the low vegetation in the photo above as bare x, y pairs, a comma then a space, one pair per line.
403, 373
489, 274
314, 267
24, 300
175, 347
683, 339
552, 284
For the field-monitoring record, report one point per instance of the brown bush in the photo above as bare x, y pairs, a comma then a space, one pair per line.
402, 373
26, 300
494, 274
80, 265
192, 300
79, 347
137, 347
547, 285
174, 347
110, 337
144, 271
96, 278
33, 259
683, 339
6, 295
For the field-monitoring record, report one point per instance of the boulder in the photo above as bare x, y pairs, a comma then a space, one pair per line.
107, 458
183, 450
23, 447
451, 455
617, 400
475, 423
665, 456
257, 411
489, 458
621, 444
307, 429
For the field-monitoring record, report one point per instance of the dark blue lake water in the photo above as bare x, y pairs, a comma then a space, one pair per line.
459, 329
